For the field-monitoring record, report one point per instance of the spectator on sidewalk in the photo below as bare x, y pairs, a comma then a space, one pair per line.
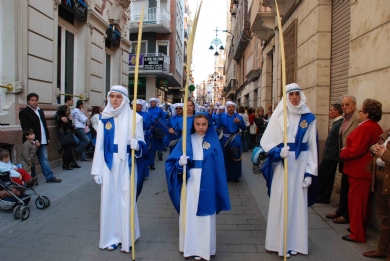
17, 174
29, 151
301, 152
205, 181
351, 121
65, 127
331, 157
356, 157
33, 117
261, 125
80, 123
111, 169
251, 137
380, 169
244, 134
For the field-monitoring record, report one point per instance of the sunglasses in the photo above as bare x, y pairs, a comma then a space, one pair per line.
179, 108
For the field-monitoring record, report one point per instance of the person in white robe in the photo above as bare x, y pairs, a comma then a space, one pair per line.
302, 154
111, 169
199, 238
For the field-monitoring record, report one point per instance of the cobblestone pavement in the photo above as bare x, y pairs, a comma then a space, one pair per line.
69, 228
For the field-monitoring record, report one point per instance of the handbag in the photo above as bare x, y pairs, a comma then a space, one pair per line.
253, 129
66, 138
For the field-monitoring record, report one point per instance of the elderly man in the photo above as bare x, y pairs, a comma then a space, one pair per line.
230, 124
331, 157
111, 169
351, 121
301, 153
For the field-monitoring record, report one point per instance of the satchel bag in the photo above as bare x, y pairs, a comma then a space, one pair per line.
66, 138
253, 129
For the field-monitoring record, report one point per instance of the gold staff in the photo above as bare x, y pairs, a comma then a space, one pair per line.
183, 196
132, 179
284, 128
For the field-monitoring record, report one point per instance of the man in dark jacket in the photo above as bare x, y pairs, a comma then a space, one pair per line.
330, 159
33, 117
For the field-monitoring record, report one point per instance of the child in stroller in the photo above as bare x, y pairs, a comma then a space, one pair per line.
18, 174
258, 158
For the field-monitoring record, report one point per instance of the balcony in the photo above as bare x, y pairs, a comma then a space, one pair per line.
156, 19
262, 21
244, 34
150, 61
155, 64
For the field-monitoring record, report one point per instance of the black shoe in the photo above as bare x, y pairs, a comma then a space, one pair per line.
68, 167
30, 183
86, 159
54, 180
152, 167
75, 165
348, 238
237, 181
160, 158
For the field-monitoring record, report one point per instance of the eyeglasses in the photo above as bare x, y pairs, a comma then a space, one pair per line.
179, 108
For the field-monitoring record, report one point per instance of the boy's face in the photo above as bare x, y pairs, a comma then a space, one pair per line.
31, 136
6, 159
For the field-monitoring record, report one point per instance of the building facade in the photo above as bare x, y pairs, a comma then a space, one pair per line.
162, 48
54, 47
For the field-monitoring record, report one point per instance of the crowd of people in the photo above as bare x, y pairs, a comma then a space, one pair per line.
356, 144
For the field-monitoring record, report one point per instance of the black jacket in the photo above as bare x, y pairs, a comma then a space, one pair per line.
28, 119
332, 146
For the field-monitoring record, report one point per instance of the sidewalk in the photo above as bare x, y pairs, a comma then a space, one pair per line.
69, 228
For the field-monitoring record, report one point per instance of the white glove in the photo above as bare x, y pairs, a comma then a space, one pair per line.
306, 182
98, 179
284, 152
183, 160
134, 144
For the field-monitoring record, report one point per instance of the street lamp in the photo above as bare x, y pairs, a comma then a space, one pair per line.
216, 42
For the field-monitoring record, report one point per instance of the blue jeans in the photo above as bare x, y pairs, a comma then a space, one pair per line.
84, 141
75, 140
44, 161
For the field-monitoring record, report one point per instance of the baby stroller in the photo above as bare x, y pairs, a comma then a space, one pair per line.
258, 158
20, 201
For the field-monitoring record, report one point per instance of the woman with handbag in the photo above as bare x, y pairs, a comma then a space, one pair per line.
65, 128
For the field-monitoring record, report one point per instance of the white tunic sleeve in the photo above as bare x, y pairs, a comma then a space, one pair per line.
98, 157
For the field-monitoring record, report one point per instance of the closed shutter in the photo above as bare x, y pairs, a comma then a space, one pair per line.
339, 65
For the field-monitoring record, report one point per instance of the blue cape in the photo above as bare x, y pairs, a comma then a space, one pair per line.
214, 194
110, 148
298, 147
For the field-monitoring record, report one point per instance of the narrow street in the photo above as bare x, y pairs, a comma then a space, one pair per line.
69, 228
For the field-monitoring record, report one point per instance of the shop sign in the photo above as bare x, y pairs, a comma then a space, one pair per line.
141, 82
153, 63
132, 59
161, 82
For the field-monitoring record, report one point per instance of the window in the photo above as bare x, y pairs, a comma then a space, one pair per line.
163, 47
143, 47
65, 60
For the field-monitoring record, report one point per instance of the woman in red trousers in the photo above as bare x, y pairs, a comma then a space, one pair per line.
356, 156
